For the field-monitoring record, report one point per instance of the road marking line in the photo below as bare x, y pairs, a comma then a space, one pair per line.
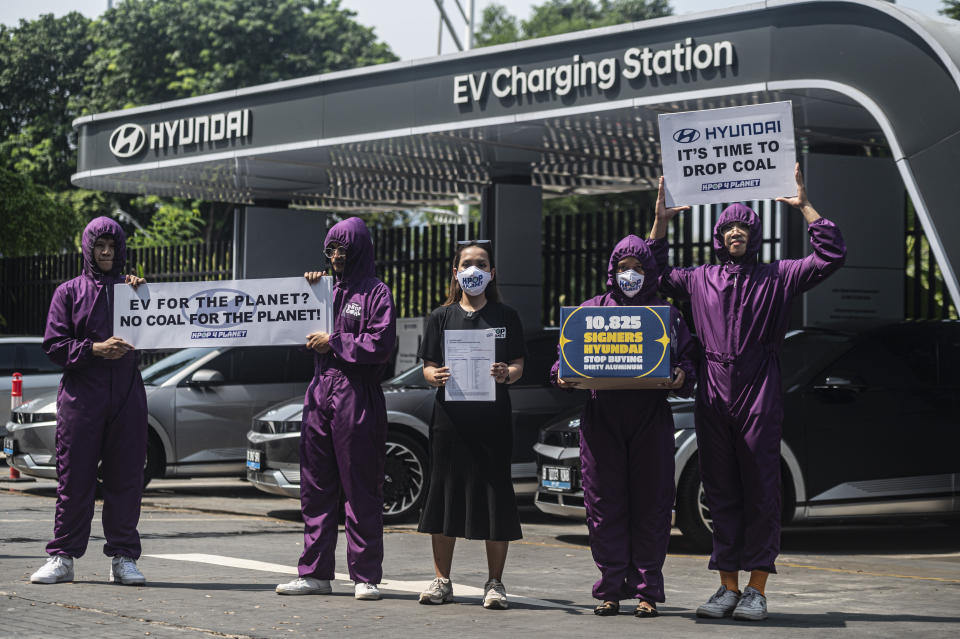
469, 592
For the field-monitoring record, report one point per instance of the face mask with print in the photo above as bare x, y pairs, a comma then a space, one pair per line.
473, 280
630, 282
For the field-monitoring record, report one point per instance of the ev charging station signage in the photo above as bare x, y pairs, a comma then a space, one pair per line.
256, 312
728, 155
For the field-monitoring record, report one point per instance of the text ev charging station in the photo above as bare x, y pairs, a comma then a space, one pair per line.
577, 113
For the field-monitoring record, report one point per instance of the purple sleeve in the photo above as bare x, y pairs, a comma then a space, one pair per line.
660, 249
675, 282
375, 344
829, 254
555, 369
59, 340
686, 355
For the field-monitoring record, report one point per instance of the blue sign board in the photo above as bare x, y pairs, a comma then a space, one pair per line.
615, 346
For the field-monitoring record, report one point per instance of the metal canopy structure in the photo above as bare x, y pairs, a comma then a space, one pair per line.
864, 76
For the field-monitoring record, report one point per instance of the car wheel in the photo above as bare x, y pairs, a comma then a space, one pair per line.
693, 516
405, 477
153, 465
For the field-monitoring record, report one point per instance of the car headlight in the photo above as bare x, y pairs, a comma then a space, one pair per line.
20, 417
574, 423
277, 427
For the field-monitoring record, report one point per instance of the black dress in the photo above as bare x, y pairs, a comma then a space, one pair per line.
471, 443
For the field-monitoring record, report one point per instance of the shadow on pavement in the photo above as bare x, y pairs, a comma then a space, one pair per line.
822, 620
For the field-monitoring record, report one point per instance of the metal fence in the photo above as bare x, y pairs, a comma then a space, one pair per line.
27, 283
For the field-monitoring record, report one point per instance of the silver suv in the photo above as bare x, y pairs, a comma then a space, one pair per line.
200, 402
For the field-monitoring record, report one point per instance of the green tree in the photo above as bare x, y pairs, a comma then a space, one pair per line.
175, 222
31, 219
497, 26
951, 9
148, 51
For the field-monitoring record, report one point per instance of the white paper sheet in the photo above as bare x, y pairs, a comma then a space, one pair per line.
469, 356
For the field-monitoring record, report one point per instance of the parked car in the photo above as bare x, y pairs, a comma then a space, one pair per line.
871, 429
24, 355
273, 458
200, 402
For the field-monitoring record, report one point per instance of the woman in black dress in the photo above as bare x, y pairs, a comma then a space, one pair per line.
471, 491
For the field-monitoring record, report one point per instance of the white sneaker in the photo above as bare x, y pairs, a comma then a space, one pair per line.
440, 591
124, 570
495, 595
305, 586
369, 592
58, 568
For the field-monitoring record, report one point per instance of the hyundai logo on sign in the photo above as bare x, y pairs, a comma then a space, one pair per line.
127, 140
686, 136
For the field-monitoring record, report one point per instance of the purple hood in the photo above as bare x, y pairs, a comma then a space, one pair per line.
738, 213
633, 246
355, 236
103, 226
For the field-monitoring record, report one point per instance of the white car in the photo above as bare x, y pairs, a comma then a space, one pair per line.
25, 355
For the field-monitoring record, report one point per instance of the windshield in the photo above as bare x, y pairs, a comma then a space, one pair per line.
806, 352
410, 377
158, 373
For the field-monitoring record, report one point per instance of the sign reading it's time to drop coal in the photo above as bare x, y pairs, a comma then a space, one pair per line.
609, 347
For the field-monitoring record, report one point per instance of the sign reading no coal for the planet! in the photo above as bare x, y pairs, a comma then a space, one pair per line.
728, 155
254, 312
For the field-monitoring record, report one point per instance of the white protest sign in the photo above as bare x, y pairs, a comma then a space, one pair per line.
728, 155
257, 312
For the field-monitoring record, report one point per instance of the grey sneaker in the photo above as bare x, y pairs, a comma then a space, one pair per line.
720, 605
305, 586
440, 591
495, 595
752, 606
124, 570
57, 569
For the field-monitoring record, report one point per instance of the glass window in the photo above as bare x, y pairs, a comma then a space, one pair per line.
410, 377
299, 365
161, 371
890, 361
806, 352
259, 365
8, 358
35, 361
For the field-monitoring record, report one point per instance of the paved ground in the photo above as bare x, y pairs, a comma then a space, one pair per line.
214, 551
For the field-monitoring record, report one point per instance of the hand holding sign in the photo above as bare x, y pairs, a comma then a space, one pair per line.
664, 213
800, 201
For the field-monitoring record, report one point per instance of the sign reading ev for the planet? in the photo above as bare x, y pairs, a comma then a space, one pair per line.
728, 155
255, 312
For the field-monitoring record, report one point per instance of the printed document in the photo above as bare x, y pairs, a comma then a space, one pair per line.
469, 356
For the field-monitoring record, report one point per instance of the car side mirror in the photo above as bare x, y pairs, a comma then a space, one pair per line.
205, 377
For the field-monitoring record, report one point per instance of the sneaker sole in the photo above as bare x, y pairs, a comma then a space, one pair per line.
496, 605
367, 597
128, 582
749, 617
295, 593
430, 601
52, 581
709, 614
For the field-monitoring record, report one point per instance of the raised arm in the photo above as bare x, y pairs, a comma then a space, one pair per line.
829, 249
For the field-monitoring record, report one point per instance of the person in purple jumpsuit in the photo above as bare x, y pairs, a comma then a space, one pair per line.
101, 413
741, 310
626, 451
344, 428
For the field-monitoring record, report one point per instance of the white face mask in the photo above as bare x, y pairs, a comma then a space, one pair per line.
630, 282
474, 280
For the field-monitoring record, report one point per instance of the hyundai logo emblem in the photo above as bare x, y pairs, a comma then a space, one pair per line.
686, 136
127, 140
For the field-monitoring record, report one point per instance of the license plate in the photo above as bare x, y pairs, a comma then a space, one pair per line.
253, 459
8, 445
556, 477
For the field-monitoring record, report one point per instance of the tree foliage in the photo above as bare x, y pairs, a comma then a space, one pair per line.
563, 16
143, 52
951, 9
31, 219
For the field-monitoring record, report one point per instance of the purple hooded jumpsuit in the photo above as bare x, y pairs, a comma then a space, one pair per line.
344, 430
101, 409
626, 455
741, 311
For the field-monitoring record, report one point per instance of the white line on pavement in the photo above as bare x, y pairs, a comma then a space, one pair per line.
417, 587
